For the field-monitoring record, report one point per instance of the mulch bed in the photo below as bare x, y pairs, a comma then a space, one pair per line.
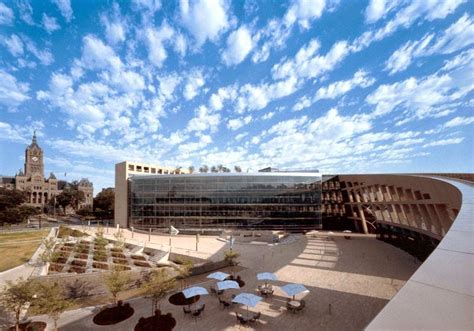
70, 244
117, 250
56, 267
156, 322
237, 279
120, 261
114, 315
100, 265
79, 270
81, 256
118, 255
141, 264
178, 299
66, 248
79, 263
100, 258
60, 259
138, 257
30, 326
121, 267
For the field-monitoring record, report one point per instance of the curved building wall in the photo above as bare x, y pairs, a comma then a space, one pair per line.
252, 201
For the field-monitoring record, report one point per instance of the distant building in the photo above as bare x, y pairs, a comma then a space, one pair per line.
40, 189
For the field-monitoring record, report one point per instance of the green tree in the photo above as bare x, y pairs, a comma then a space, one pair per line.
191, 169
204, 169
231, 257
48, 254
184, 270
16, 296
104, 203
157, 285
11, 209
237, 168
71, 196
52, 301
116, 282
119, 239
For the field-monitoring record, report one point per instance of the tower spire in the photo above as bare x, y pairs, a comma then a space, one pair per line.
34, 137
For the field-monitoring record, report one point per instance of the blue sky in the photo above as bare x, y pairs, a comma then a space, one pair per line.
339, 86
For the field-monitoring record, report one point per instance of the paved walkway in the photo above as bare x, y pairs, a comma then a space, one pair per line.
350, 281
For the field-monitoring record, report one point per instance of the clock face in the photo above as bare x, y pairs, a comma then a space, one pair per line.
34, 158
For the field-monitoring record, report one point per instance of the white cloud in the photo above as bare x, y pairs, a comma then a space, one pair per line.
44, 56
97, 55
180, 45
194, 82
444, 142
50, 24
156, 39
217, 99
458, 121
458, 36
12, 92
268, 115
304, 11
13, 44
168, 85
6, 15
378, 9
424, 97
65, 9
205, 19
339, 88
204, 120
204, 140
115, 27
26, 11
239, 45
308, 64
303, 102
460, 60
10, 133
237, 123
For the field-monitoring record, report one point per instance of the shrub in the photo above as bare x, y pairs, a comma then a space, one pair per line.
102, 266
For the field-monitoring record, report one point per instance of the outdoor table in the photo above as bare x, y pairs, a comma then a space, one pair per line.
294, 303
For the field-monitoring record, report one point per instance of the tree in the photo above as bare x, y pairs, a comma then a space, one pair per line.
220, 168
157, 285
177, 170
231, 257
225, 169
104, 203
16, 296
191, 169
214, 169
119, 239
204, 169
184, 270
71, 196
48, 254
116, 282
11, 209
237, 169
52, 301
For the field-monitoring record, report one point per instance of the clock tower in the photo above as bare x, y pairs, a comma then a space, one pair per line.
34, 159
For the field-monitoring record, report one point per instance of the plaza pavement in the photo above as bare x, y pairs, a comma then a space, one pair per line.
350, 281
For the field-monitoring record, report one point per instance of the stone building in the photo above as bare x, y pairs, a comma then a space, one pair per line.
39, 189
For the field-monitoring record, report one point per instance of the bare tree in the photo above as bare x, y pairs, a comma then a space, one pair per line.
191, 169
237, 168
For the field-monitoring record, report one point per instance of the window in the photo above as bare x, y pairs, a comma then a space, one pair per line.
153, 170
131, 167
139, 168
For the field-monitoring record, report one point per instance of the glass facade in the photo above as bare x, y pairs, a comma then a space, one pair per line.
251, 201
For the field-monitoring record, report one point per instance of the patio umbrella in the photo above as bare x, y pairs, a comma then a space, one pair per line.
193, 291
294, 289
218, 275
227, 284
266, 276
247, 299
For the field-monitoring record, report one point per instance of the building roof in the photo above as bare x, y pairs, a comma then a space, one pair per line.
7, 180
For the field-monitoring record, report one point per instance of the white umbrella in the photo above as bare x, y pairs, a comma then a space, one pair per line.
193, 291
218, 275
247, 299
294, 289
227, 284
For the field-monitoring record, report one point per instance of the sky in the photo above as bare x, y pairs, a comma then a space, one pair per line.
339, 86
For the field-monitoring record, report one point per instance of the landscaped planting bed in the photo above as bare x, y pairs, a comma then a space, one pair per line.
70, 244
118, 255
60, 259
138, 257
117, 250
120, 261
141, 264
81, 256
56, 267
66, 248
121, 267
100, 258
102, 266
79, 270
79, 263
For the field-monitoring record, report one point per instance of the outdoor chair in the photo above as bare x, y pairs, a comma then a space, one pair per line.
241, 319
186, 310
301, 306
197, 313
224, 303
255, 317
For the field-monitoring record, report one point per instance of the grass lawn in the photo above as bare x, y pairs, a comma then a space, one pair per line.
17, 247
